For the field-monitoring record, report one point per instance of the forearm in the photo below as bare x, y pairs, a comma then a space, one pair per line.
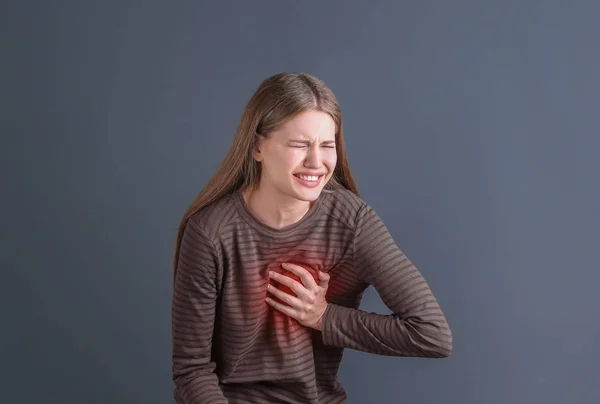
193, 368
199, 386
425, 336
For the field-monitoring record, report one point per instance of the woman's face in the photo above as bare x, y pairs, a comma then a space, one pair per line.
299, 158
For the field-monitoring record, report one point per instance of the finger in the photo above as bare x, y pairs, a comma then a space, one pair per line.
307, 278
324, 279
282, 308
284, 297
295, 286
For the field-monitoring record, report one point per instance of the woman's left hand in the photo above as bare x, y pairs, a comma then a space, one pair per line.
309, 304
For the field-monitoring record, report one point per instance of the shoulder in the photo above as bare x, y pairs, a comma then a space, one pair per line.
345, 206
212, 218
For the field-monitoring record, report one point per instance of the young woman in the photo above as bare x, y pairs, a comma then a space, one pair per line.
274, 255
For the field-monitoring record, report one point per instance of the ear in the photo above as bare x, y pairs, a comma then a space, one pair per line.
256, 153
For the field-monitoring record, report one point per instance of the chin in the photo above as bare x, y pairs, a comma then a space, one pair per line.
308, 195
313, 196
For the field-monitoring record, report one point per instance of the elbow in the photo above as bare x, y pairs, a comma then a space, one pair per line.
442, 349
434, 340
437, 347
443, 342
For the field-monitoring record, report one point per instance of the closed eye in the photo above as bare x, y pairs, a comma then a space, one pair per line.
303, 145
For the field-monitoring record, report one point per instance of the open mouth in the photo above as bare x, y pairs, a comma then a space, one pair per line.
309, 181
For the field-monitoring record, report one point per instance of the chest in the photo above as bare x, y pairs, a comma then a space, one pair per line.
248, 260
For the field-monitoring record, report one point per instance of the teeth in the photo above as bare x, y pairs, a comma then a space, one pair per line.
308, 177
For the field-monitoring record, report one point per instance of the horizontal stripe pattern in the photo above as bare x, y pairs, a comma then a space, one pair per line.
229, 346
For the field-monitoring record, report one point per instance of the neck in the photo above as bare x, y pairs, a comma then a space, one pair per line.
274, 209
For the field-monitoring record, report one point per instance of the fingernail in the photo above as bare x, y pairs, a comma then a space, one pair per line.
271, 273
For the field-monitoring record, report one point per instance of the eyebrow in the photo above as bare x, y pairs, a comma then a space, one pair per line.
308, 141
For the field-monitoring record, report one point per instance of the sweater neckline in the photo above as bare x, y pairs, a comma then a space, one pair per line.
264, 228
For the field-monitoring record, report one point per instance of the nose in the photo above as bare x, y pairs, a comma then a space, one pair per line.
313, 158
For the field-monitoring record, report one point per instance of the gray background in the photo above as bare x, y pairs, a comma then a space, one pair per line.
472, 128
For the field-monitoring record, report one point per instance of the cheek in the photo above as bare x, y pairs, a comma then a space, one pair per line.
330, 160
290, 160
283, 163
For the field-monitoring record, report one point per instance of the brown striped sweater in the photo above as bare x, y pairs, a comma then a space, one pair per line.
230, 346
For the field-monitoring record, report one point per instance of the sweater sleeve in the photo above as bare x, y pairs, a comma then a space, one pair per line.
193, 317
417, 327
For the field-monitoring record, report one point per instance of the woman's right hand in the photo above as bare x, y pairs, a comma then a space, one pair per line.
307, 304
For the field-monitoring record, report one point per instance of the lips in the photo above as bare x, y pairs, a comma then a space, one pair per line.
309, 177
309, 180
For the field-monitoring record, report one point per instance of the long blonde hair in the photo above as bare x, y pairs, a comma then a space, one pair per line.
277, 99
